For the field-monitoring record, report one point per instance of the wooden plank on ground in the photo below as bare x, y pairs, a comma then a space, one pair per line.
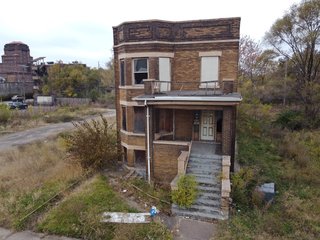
120, 217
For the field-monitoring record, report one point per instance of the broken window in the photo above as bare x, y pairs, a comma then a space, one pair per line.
122, 75
139, 120
140, 70
124, 118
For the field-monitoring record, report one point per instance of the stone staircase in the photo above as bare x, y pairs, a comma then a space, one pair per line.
205, 165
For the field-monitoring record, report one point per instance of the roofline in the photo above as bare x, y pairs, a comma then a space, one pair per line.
175, 43
189, 98
183, 21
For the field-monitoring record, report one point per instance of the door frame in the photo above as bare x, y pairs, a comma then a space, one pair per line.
203, 116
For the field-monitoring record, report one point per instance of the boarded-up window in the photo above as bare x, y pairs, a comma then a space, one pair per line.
165, 120
122, 73
124, 118
209, 70
140, 70
164, 74
139, 119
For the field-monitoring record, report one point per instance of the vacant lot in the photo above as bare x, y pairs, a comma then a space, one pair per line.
41, 189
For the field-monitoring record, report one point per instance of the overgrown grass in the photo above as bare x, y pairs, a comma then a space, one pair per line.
41, 115
291, 160
29, 176
80, 214
156, 191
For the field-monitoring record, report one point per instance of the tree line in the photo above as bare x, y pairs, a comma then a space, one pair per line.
285, 67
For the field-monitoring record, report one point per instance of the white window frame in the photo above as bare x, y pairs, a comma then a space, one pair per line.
215, 74
165, 75
133, 70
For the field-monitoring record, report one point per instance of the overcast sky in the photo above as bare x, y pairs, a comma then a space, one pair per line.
70, 30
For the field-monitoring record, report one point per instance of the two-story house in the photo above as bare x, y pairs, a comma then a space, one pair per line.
176, 99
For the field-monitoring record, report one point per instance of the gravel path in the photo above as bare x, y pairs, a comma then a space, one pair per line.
40, 133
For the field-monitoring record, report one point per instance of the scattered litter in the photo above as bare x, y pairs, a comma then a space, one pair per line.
124, 190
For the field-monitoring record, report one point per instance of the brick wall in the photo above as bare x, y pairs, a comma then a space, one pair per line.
165, 161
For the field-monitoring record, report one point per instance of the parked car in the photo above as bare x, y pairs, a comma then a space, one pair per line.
18, 105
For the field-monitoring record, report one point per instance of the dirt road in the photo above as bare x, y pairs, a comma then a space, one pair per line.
40, 133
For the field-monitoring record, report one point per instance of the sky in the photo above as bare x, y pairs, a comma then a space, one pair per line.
81, 30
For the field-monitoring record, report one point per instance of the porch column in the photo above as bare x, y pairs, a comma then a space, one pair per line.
228, 133
149, 141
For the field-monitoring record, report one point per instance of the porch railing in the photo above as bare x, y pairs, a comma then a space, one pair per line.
153, 86
183, 160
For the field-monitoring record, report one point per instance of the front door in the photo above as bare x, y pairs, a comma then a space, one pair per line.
207, 125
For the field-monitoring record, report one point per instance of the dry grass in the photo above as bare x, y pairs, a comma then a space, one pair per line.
39, 116
29, 170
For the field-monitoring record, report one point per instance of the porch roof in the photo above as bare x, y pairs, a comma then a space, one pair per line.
191, 96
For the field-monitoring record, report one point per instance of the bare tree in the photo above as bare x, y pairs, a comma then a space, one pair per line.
296, 36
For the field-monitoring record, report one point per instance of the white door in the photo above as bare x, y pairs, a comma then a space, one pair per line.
207, 125
164, 74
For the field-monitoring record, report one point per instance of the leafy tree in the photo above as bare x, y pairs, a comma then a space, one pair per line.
93, 144
296, 36
72, 80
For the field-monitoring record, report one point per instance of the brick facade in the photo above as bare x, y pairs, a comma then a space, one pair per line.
184, 43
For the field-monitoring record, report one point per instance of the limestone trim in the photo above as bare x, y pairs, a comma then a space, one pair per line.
132, 87
145, 54
180, 143
175, 43
133, 147
130, 103
132, 133
210, 54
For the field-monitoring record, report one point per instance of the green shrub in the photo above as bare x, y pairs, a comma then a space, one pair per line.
290, 119
243, 184
187, 191
5, 113
93, 144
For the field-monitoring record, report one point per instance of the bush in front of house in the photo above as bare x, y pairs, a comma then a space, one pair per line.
187, 191
94, 144
5, 113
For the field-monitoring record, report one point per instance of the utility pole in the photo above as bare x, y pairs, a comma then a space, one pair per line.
285, 82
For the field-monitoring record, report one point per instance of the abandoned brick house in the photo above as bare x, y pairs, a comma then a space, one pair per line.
176, 99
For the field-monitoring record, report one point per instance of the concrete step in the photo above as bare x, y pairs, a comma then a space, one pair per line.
200, 164
210, 195
209, 188
207, 202
201, 171
206, 180
198, 214
205, 156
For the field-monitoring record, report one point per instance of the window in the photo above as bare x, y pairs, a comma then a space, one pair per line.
139, 119
122, 73
164, 74
209, 71
124, 118
140, 70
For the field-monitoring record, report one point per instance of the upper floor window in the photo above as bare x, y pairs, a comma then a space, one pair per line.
209, 71
140, 70
122, 73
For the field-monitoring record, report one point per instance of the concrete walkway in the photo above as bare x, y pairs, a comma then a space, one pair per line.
28, 235
188, 229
